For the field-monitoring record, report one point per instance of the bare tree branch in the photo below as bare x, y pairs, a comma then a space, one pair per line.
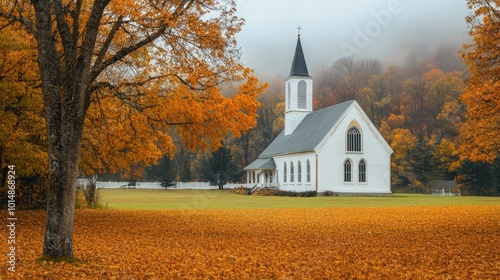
109, 39
28, 24
98, 68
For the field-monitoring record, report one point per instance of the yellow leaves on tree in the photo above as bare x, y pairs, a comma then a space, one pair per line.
172, 86
22, 127
448, 156
140, 130
402, 141
481, 130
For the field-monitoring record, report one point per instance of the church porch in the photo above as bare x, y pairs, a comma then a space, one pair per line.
261, 173
261, 178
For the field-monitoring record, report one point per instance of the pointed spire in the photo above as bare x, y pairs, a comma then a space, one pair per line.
299, 67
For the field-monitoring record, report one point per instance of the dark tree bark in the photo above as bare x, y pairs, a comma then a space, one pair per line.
66, 98
59, 225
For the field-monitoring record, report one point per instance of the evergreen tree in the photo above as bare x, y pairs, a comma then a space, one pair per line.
423, 165
164, 172
186, 175
480, 178
220, 168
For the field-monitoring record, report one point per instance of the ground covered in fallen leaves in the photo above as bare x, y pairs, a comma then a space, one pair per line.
460, 242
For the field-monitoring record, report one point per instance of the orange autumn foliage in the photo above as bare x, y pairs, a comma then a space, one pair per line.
117, 134
329, 243
482, 99
169, 86
22, 126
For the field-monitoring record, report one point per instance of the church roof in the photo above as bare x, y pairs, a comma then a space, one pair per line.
299, 67
262, 163
309, 133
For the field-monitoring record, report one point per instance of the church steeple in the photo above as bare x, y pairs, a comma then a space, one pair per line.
298, 91
299, 67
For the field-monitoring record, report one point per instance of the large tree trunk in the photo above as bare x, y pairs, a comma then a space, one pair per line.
65, 79
63, 172
64, 137
64, 113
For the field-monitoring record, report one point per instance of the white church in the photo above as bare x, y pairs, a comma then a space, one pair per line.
335, 149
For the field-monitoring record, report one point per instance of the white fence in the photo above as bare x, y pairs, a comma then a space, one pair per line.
156, 185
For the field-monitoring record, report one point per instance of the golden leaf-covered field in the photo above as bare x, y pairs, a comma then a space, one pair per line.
458, 242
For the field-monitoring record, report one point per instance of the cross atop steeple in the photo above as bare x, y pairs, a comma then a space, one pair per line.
299, 28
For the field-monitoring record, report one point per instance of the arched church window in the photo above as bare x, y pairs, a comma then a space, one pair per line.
347, 170
284, 172
353, 140
301, 95
308, 171
362, 171
291, 172
299, 172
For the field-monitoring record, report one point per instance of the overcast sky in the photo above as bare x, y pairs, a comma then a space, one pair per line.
384, 29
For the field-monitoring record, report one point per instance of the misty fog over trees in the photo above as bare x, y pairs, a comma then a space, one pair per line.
416, 107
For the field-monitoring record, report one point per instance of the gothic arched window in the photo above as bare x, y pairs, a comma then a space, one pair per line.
291, 172
362, 171
347, 170
353, 140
